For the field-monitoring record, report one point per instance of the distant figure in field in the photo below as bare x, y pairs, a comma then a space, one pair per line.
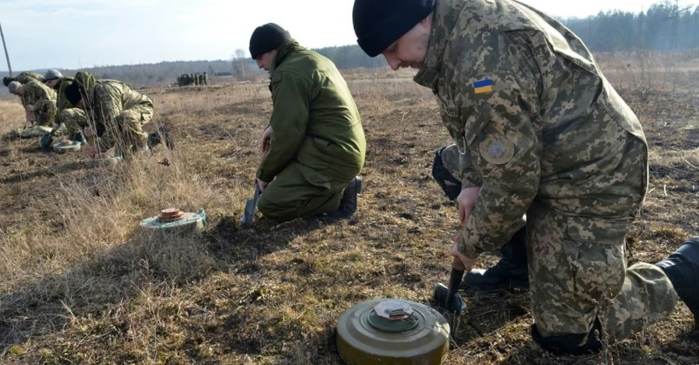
109, 113
39, 102
314, 146
538, 131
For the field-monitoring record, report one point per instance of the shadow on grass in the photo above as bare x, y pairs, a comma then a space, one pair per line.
64, 168
98, 286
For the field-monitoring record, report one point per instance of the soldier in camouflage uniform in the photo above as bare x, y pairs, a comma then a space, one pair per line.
111, 114
314, 145
39, 101
541, 132
23, 78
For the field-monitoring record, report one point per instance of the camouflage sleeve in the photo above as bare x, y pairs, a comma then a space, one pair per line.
291, 104
107, 104
36, 93
504, 142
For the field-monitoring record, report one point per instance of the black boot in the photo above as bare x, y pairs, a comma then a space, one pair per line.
509, 273
572, 344
449, 184
682, 268
348, 203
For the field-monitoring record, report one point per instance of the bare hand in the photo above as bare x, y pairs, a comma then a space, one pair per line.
261, 184
467, 200
266, 140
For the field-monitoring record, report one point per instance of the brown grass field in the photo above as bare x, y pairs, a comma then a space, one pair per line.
80, 285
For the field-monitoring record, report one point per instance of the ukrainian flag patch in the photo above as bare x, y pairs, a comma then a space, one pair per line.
483, 86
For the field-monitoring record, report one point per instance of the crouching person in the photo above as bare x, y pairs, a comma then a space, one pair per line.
109, 113
39, 102
314, 147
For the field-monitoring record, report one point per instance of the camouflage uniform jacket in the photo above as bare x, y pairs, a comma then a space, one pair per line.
108, 98
535, 118
315, 121
35, 92
27, 76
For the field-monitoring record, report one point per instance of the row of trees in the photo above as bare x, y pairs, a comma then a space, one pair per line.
344, 57
663, 27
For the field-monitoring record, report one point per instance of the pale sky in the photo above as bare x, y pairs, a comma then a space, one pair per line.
84, 33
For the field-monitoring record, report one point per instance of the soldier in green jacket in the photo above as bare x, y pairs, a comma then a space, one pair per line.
112, 114
540, 132
314, 146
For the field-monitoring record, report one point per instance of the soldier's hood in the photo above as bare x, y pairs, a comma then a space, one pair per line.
87, 83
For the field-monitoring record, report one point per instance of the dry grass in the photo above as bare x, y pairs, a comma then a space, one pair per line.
81, 285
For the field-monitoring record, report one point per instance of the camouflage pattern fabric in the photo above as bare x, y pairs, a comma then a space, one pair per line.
39, 100
578, 273
118, 111
545, 134
74, 119
27, 76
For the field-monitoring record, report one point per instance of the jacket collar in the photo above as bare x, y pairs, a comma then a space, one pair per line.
284, 51
444, 19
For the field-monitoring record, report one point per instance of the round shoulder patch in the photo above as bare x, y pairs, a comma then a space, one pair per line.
497, 149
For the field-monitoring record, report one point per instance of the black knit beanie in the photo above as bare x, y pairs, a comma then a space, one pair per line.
379, 23
73, 93
266, 38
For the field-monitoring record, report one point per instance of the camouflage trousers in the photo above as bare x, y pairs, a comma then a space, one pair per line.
292, 195
44, 113
74, 119
578, 272
125, 133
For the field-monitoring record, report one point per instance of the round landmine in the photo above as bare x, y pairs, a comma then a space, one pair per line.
66, 146
173, 220
395, 332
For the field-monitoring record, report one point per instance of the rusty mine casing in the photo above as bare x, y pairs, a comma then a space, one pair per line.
392, 332
175, 221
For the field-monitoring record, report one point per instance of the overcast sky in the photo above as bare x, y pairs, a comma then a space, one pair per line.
84, 33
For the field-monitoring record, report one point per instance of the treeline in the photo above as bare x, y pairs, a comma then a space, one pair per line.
347, 57
663, 27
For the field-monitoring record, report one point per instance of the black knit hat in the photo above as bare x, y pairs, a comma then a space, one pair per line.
379, 23
73, 93
266, 38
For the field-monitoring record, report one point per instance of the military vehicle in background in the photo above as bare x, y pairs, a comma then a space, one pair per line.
193, 79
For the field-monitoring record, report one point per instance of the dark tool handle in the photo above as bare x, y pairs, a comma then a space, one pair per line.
457, 274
